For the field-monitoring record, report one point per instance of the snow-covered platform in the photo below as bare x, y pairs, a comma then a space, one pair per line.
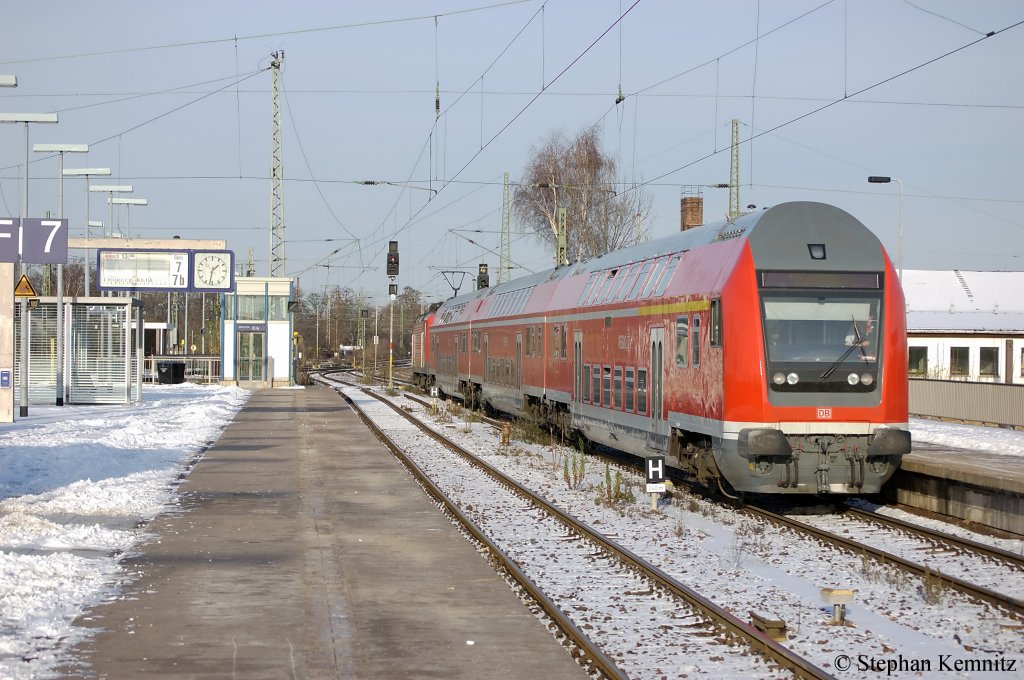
304, 549
985, 487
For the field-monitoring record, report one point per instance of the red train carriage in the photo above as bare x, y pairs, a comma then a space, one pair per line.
768, 352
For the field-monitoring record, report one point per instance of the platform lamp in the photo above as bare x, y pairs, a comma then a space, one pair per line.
87, 173
60, 149
111, 189
876, 179
27, 119
128, 202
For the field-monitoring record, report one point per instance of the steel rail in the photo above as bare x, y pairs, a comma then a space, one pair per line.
978, 592
588, 655
758, 642
964, 544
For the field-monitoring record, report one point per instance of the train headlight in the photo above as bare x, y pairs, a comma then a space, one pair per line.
792, 378
779, 378
853, 378
867, 379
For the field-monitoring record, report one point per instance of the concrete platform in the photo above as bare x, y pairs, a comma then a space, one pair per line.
304, 550
977, 486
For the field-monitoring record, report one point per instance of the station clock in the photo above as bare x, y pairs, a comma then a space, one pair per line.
211, 270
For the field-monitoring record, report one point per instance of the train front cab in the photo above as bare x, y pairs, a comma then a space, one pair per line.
816, 387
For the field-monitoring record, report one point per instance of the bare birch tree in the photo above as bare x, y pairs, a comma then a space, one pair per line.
579, 176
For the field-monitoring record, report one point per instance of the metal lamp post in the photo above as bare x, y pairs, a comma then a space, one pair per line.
87, 173
60, 149
26, 119
876, 179
128, 202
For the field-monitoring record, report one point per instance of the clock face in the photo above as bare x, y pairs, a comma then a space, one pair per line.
212, 270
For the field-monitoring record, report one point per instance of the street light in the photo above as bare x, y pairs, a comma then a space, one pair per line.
111, 189
25, 118
128, 202
87, 173
60, 149
876, 179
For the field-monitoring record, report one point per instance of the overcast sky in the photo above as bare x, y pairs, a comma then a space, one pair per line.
175, 98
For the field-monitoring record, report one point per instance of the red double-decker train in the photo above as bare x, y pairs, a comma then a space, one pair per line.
765, 354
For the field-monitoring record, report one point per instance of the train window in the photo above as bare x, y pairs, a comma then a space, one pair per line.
629, 390
989, 361
596, 379
627, 283
641, 391
641, 277
606, 386
538, 343
682, 340
917, 361
614, 280
529, 341
565, 340
587, 288
659, 266
554, 342
667, 276
602, 278
715, 332
959, 360
618, 387
696, 340
586, 383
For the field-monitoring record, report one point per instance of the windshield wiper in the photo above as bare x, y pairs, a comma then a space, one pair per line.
859, 343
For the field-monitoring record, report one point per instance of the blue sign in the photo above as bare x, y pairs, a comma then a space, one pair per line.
5, 378
34, 239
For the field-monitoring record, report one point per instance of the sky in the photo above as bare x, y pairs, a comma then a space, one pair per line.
175, 98
76, 483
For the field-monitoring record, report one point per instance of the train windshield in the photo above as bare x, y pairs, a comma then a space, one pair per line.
822, 342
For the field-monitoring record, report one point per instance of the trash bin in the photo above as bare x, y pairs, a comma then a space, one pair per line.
170, 372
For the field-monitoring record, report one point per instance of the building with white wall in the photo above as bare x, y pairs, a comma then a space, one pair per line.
964, 325
256, 338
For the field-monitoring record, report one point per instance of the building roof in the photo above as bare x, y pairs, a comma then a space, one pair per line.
964, 301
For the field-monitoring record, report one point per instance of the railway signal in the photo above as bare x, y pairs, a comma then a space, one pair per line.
392, 261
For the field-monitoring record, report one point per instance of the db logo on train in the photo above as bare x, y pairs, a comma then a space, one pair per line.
824, 414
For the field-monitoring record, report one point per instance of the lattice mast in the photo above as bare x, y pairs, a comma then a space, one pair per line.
276, 172
505, 265
734, 171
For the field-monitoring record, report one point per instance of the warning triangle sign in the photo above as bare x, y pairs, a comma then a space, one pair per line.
24, 288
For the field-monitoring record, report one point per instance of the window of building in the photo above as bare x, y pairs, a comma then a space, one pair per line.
696, 340
641, 391
618, 387
959, 360
682, 340
917, 361
278, 307
988, 364
606, 387
629, 389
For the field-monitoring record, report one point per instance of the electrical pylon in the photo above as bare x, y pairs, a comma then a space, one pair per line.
734, 171
505, 264
276, 172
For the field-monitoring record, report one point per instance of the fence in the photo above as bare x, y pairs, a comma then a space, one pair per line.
974, 402
198, 369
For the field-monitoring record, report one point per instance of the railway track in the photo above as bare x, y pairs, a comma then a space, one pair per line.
685, 624
983, 572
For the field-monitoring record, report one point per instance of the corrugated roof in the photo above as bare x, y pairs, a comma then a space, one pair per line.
964, 301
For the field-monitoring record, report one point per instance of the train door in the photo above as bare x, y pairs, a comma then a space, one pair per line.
657, 430
485, 367
517, 379
577, 373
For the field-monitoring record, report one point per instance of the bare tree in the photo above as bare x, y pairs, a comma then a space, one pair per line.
578, 176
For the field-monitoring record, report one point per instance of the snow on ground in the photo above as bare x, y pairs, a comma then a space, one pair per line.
77, 481
75, 484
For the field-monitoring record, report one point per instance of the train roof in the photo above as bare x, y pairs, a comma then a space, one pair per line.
804, 217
